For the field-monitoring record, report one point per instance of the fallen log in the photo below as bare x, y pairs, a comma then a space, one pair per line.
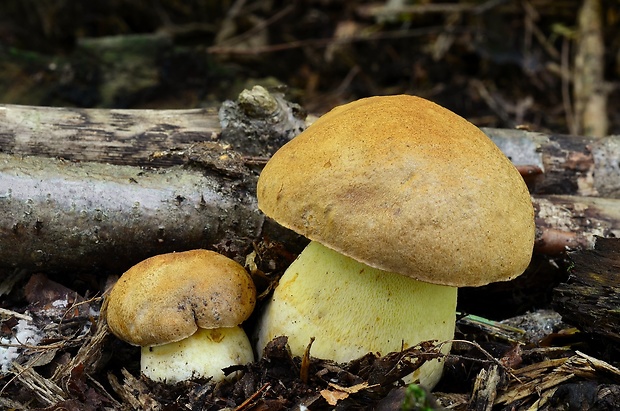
562, 164
98, 216
56, 214
589, 299
125, 137
90, 216
573, 222
258, 123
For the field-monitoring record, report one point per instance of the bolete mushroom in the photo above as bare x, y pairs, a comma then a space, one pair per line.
403, 201
184, 309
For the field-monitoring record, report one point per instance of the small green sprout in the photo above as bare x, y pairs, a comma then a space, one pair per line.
416, 399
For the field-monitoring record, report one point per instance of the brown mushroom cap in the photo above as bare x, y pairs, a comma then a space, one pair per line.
167, 297
404, 185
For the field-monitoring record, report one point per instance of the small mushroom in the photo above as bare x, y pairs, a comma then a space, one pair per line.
404, 201
184, 309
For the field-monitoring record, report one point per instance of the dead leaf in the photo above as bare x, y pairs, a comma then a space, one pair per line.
332, 397
353, 389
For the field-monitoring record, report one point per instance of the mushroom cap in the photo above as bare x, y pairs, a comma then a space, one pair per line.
404, 185
166, 298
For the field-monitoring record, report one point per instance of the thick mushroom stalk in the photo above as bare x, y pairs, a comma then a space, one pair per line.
204, 354
352, 309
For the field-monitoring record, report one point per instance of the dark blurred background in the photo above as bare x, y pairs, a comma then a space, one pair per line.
501, 63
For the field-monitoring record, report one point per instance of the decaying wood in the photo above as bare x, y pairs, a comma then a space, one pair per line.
574, 222
104, 215
256, 125
56, 214
130, 137
541, 384
42, 388
562, 164
591, 296
260, 122
134, 392
88, 216
485, 389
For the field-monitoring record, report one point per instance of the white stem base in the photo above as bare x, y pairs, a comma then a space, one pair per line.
203, 354
352, 309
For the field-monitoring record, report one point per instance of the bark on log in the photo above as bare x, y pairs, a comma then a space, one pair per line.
590, 298
257, 124
573, 222
562, 164
128, 137
57, 215
551, 164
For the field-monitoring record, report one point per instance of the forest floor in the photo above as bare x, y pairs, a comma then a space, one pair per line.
497, 63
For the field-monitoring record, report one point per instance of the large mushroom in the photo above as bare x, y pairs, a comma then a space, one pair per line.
403, 201
184, 310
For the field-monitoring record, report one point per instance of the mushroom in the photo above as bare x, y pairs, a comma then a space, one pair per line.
403, 201
184, 309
